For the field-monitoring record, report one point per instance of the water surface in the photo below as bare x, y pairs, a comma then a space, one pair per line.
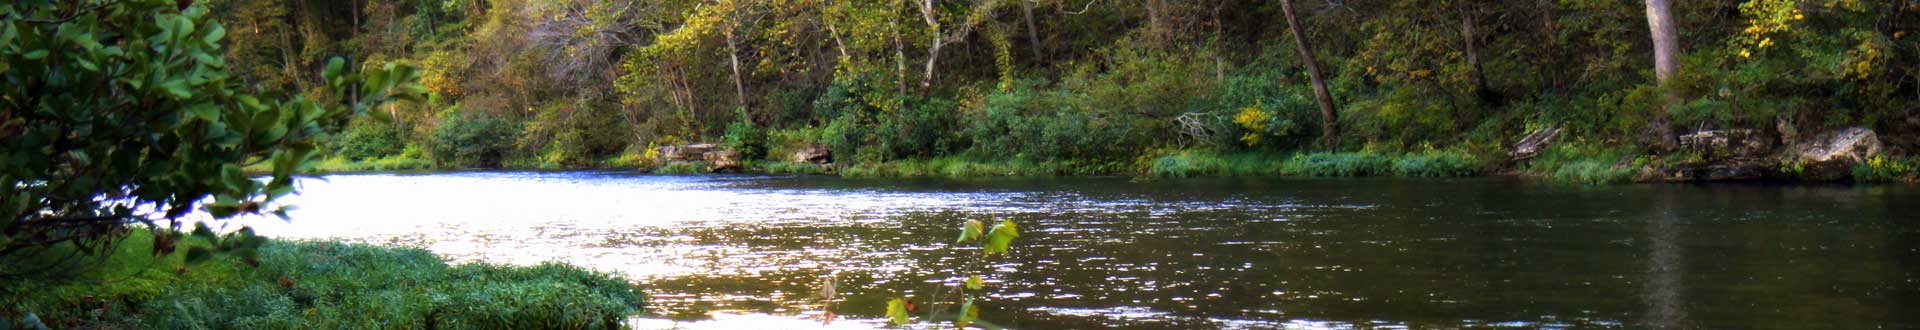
749, 252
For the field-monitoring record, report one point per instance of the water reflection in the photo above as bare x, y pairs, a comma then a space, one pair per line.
1235, 254
1662, 292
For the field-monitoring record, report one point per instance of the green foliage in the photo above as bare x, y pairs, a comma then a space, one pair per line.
743, 137
1881, 168
592, 79
124, 112
693, 167
575, 135
996, 240
1584, 163
793, 168
470, 140
1437, 163
317, 285
1339, 164
366, 139
897, 312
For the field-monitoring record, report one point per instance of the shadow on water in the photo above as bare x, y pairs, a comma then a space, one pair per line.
1204, 253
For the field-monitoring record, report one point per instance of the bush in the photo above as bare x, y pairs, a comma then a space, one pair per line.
368, 138
1881, 168
744, 138
1028, 122
471, 140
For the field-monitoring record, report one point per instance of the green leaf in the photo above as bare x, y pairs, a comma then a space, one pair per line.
214, 34
200, 230
975, 282
1000, 237
35, 55
897, 311
198, 254
177, 87
969, 231
968, 313
334, 68
206, 111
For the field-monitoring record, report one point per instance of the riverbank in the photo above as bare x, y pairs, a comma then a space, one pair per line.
1579, 164
315, 285
1568, 163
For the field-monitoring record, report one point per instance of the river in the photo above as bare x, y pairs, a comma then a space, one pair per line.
1241, 253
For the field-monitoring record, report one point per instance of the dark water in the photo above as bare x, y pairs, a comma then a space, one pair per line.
1222, 253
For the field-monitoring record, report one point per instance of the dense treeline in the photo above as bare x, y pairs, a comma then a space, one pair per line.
1088, 85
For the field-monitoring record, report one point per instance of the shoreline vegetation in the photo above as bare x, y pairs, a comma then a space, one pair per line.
315, 285
1157, 88
1570, 164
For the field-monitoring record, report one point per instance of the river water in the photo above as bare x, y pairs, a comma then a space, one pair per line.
732, 252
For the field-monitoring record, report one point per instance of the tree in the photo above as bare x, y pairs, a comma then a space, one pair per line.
119, 113
1329, 116
1666, 64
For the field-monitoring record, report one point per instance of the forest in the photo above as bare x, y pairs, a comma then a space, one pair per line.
1096, 87
126, 123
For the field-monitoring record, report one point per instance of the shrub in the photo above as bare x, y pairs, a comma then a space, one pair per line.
1881, 168
368, 138
743, 137
1437, 163
469, 140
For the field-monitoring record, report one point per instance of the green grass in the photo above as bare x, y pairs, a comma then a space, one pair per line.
792, 168
1432, 163
959, 167
319, 285
693, 167
1584, 163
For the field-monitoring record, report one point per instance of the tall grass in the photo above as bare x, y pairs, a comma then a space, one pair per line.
324, 285
1585, 163
1432, 163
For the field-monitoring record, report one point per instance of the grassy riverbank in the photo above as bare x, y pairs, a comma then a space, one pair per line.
317, 285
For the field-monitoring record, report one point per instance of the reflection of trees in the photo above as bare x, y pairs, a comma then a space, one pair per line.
1663, 284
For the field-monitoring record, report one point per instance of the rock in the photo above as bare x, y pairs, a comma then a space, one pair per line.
813, 154
1831, 155
1731, 144
691, 152
1727, 155
722, 161
1534, 143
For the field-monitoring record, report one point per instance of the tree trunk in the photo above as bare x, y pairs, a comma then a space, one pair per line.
840, 44
934, 41
1329, 116
1666, 64
1033, 33
1473, 56
899, 52
1666, 40
733, 57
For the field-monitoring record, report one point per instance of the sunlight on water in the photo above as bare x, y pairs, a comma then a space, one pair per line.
748, 252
